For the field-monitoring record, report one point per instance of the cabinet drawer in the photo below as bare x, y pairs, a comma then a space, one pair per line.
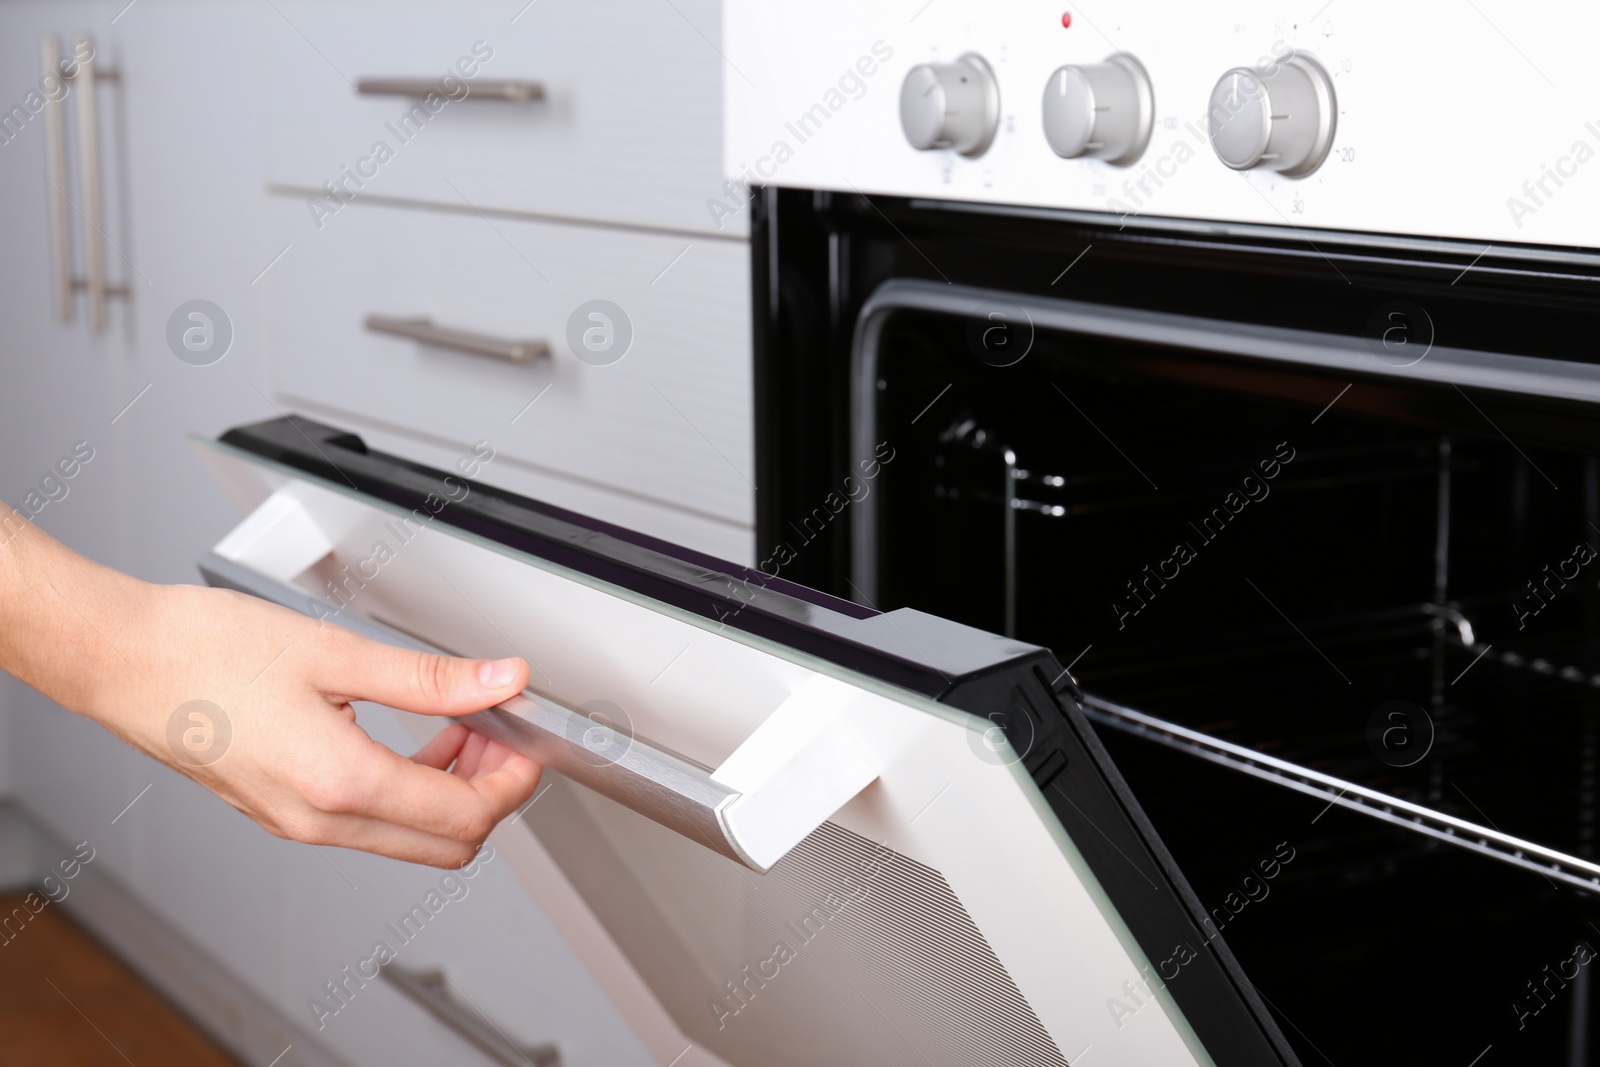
506, 962
670, 421
628, 129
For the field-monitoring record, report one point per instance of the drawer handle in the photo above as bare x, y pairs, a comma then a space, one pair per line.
423, 330
513, 92
432, 990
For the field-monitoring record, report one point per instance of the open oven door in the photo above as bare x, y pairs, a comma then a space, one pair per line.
784, 830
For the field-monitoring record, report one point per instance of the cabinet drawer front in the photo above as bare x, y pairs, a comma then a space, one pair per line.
670, 421
628, 127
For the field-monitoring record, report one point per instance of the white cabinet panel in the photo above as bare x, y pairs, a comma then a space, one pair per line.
715, 537
61, 387
629, 129
499, 952
670, 421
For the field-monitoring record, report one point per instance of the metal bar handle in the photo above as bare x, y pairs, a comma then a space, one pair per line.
432, 990
93, 210
656, 784
1516, 851
423, 330
510, 91
55, 163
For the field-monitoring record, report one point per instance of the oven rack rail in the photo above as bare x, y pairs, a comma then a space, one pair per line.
1551, 863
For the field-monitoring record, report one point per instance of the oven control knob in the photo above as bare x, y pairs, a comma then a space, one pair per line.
1103, 110
1283, 121
951, 105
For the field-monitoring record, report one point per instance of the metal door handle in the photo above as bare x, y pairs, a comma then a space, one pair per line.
423, 330
55, 163
94, 249
763, 800
93, 282
432, 990
514, 92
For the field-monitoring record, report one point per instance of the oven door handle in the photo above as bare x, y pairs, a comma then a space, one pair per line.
788, 777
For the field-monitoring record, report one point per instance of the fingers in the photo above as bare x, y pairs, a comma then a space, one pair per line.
471, 756
495, 755
467, 749
359, 669
380, 784
442, 749
384, 838
409, 810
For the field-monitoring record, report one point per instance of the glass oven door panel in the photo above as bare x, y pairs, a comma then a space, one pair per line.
942, 914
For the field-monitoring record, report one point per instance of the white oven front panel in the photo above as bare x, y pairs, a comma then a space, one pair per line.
1467, 119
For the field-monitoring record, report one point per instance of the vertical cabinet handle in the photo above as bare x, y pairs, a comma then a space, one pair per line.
93, 209
87, 76
55, 170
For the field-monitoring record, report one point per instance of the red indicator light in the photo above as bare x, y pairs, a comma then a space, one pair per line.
1066, 19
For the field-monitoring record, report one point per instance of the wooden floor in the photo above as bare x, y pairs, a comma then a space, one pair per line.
66, 1002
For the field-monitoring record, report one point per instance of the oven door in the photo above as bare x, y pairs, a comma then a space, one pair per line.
780, 828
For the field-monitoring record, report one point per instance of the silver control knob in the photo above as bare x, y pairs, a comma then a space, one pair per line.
1103, 110
1284, 121
951, 105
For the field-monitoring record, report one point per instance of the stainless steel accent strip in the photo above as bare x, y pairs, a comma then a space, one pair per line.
432, 990
1523, 375
55, 164
423, 330
93, 209
511, 91
1557, 866
662, 787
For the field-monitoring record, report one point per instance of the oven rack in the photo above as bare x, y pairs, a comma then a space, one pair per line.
1552, 863
1447, 627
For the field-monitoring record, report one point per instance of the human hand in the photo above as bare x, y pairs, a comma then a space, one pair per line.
296, 761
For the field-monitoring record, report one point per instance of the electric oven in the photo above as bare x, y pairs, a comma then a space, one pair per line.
1244, 357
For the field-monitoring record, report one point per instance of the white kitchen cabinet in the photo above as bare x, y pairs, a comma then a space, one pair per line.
183, 193
628, 129
189, 217
667, 419
63, 384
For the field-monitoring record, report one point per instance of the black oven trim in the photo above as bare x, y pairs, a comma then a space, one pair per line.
1529, 376
1366, 243
817, 256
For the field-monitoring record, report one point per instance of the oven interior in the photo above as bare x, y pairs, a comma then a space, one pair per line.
1393, 584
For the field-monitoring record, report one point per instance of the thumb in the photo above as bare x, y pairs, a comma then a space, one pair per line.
421, 681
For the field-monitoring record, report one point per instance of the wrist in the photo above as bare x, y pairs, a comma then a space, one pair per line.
122, 666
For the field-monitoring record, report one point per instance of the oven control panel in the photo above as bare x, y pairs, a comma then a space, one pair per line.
1432, 118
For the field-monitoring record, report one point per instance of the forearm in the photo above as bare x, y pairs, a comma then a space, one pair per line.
63, 618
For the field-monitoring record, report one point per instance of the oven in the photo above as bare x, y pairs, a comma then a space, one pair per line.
1282, 439
1172, 628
